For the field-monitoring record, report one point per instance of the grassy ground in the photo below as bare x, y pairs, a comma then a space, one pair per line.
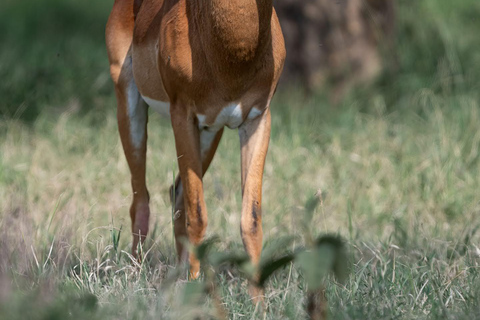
397, 165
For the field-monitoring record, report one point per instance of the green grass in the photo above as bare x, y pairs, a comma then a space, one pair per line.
397, 165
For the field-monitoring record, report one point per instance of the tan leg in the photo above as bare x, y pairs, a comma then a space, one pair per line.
189, 153
132, 124
254, 139
131, 112
208, 149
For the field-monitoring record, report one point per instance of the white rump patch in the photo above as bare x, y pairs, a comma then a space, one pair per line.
160, 107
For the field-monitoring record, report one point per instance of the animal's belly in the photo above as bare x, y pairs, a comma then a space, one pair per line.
232, 115
161, 107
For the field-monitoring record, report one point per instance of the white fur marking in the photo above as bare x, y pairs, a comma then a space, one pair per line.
160, 107
137, 115
230, 116
254, 113
201, 121
206, 140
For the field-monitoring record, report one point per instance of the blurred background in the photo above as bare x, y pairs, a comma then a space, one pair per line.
342, 44
52, 51
377, 114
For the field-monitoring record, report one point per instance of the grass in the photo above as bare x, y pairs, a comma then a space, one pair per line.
396, 164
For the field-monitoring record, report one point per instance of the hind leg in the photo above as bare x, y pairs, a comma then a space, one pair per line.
208, 145
254, 138
131, 112
132, 124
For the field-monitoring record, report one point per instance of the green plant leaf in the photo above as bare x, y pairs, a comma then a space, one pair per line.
236, 258
269, 268
340, 264
202, 250
275, 248
193, 293
316, 264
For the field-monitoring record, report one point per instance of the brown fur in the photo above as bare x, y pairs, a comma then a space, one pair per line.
198, 55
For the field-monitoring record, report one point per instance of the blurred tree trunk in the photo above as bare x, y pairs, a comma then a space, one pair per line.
336, 42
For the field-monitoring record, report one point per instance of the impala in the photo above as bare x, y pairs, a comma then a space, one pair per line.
206, 64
